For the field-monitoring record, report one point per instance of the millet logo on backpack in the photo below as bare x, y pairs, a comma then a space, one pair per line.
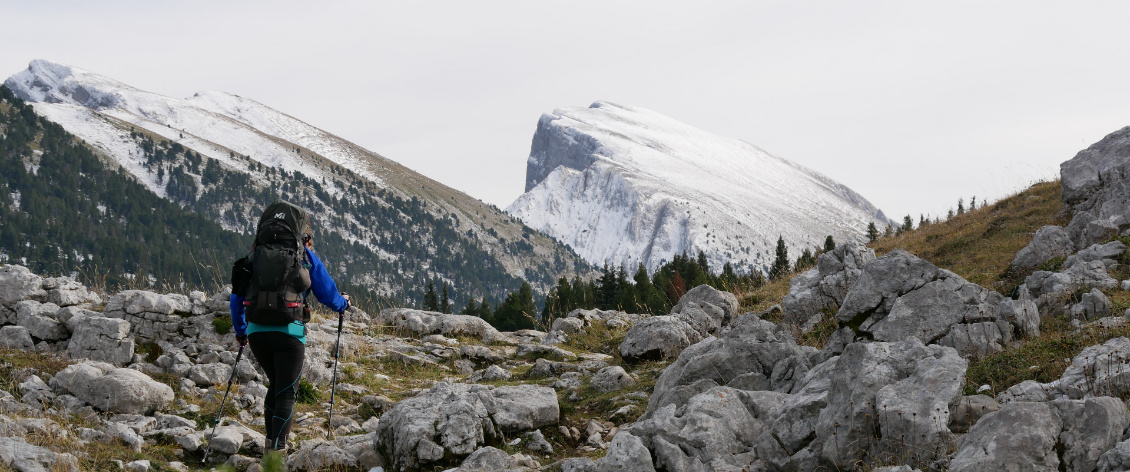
279, 216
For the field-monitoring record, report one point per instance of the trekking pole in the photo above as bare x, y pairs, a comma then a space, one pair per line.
333, 385
220, 413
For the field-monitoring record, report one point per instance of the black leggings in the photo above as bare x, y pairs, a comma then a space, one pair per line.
281, 356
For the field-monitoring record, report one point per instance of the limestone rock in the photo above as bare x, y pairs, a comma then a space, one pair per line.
1020, 436
1102, 370
748, 346
626, 453
317, 455
903, 389
1116, 459
227, 440
706, 308
1048, 243
1093, 305
18, 283
425, 322
16, 453
114, 390
487, 459
66, 291
824, 286
900, 295
39, 319
658, 337
205, 375
456, 419
16, 337
714, 429
611, 379
100, 338
969, 410
1090, 428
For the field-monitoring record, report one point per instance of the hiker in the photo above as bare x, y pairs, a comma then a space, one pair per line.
269, 307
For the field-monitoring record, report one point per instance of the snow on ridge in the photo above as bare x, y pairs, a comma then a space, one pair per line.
628, 185
207, 117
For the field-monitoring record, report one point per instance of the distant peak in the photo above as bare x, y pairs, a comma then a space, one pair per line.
47, 81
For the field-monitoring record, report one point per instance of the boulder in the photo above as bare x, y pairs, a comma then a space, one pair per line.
969, 410
100, 338
823, 287
611, 379
136, 302
426, 322
657, 337
1049, 243
626, 453
748, 347
706, 309
1108, 254
1116, 459
206, 375
18, 283
1102, 370
1095, 180
900, 295
1090, 428
39, 319
890, 391
487, 459
16, 453
16, 337
66, 291
316, 455
716, 429
1053, 288
227, 440
568, 325
114, 390
1093, 305
1020, 436
456, 419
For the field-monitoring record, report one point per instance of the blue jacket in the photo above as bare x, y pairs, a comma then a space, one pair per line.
323, 286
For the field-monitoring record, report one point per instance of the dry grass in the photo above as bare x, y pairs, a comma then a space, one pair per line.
1042, 359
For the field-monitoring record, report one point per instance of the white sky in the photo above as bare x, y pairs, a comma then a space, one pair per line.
912, 104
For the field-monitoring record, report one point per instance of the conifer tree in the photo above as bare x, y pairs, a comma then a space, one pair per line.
781, 263
907, 224
445, 302
890, 231
829, 244
472, 307
872, 232
960, 206
431, 302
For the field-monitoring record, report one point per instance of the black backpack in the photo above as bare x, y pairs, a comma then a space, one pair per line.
273, 278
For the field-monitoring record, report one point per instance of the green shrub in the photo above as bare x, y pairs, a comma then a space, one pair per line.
222, 324
307, 393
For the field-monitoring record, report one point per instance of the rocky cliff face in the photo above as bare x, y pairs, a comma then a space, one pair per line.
628, 185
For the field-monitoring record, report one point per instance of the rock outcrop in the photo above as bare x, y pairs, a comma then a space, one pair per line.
701, 312
900, 295
457, 419
825, 286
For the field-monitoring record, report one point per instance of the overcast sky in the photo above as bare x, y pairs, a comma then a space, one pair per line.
912, 104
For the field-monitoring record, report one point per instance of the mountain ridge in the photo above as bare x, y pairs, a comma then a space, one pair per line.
405, 223
627, 185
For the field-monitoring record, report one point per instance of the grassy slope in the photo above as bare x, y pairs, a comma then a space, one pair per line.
979, 245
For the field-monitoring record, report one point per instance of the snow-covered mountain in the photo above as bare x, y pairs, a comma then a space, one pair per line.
627, 185
227, 156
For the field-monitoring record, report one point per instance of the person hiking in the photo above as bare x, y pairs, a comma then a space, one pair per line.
269, 307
